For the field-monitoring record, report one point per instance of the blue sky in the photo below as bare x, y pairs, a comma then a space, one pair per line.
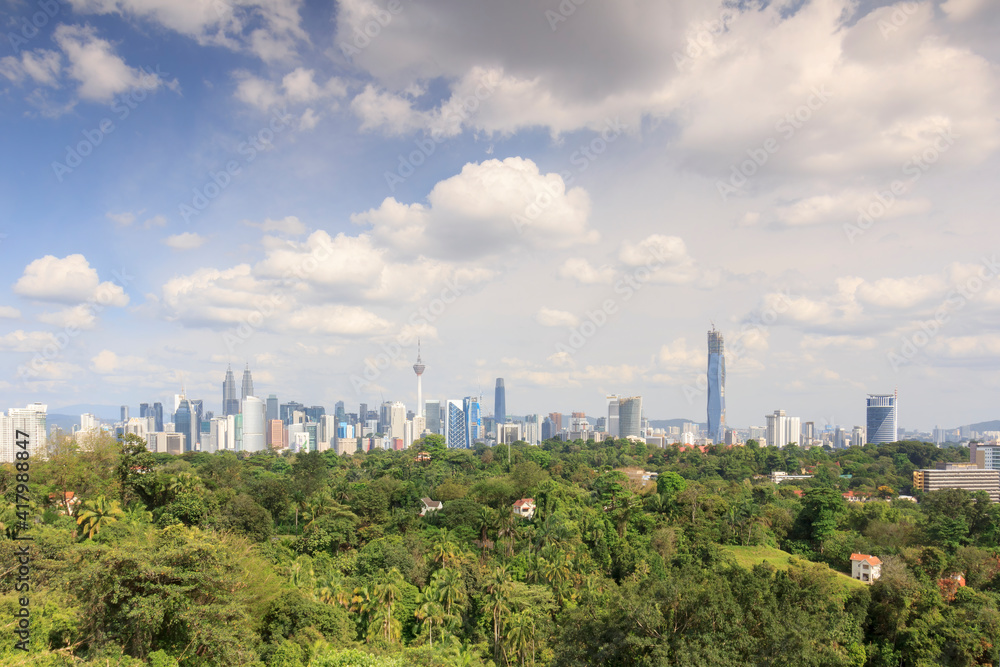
601, 181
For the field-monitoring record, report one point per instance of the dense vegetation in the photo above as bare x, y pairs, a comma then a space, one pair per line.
314, 559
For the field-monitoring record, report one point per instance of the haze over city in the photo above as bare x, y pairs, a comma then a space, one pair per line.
563, 195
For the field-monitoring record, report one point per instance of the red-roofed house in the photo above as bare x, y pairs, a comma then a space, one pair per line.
865, 568
524, 508
950, 585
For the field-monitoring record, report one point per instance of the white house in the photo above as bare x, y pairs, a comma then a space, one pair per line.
524, 508
430, 506
865, 568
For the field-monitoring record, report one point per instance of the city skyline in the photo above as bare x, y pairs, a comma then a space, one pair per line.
564, 203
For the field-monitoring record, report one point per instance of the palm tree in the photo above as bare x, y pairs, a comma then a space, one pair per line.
137, 514
499, 588
98, 513
443, 549
384, 597
451, 589
521, 635
429, 610
322, 504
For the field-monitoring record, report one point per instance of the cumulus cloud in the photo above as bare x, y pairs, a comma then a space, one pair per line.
580, 270
79, 317
298, 87
550, 317
70, 279
289, 225
489, 208
185, 241
101, 72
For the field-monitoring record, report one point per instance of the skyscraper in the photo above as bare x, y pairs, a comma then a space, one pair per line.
30, 420
455, 432
197, 413
247, 384
882, 418
230, 401
432, 412
783, 430
717, 387
473, 419
254, 411
500, 403
272, 408
144, 410
613, 425
124, 413
630, 416
158, 414
419, 368
339, 412
182, 423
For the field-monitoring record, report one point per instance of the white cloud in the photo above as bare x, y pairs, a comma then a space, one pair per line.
41, 66
101, 73
677, 356
67, 280
580, 270
288, 225
9, 313
298, 87
185, 241
80, 317
487, 209
25, 341
124, 218
549, 317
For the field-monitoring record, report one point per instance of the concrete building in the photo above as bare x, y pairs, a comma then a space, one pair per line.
508, 434
716, 386
783, 430
630, 417
985, 456
254, 413
612, 425
30, 421
276, 434
966, 476
882, 418
865, 568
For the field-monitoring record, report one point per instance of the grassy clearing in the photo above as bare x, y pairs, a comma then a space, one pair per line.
748, 557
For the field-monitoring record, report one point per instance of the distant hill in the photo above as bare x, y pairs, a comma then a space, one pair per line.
64, 422
112, 412
986, 426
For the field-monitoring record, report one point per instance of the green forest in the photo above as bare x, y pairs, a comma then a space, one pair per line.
295, 560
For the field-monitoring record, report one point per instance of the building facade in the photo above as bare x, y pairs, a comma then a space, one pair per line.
630, 417
882, 418
716, 386
500, 403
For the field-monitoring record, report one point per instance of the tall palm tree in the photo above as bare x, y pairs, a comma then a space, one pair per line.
443, 549
97, 514
499, 588
384, 597
429, 610
451, 589
521, 636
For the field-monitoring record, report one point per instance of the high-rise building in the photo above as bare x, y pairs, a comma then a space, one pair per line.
363, 413
613, 427
247, 389
158, 414
473, 419
557, 424
456, 434
272, 407
197, 413
339, 412
966, 476
287, 411
630, 416
500, 403
144, 410
89, 422
315, 413
717, 387
230, 401
397, 420
254, 411
882, 418
808, 433
783, 430
533, 429
30, 420
858, 436
124, 413
432, 412
182, 424
419, 369
549, 429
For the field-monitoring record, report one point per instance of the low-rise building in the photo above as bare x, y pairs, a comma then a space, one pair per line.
865, 568
524, 508
430, 506
966, 476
